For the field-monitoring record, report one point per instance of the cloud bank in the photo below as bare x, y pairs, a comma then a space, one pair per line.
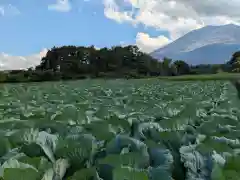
10, 62
149, 44
177, 17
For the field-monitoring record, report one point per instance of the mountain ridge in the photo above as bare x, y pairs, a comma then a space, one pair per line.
202, 40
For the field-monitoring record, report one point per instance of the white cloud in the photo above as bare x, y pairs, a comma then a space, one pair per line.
122, 43
8, 10
1, 11
10, 62
178, 17
112, 11
61, 5
148, 44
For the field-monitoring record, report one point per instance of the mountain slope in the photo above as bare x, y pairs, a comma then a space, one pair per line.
208, 45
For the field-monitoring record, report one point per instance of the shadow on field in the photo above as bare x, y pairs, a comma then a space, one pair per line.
236, 83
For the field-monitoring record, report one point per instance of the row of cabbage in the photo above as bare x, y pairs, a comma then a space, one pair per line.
120, 130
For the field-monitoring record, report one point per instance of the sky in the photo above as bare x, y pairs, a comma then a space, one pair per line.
29, 27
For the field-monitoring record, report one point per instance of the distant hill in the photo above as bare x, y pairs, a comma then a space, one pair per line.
208, 45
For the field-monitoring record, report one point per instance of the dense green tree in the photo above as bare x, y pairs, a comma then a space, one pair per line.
88, 60
234, 62
181, 67
166, 64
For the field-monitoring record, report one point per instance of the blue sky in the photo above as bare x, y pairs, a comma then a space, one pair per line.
36, 26
29, 27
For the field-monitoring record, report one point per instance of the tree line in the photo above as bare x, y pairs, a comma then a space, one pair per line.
79, 62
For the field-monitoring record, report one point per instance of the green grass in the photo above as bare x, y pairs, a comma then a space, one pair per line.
219, 76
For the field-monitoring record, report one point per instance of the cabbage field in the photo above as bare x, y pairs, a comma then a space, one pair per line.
120, 130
